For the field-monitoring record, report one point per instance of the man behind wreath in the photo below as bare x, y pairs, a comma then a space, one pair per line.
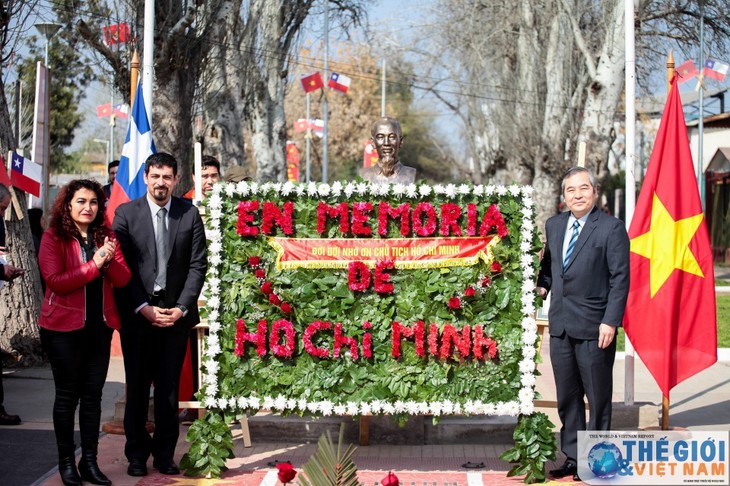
387, 138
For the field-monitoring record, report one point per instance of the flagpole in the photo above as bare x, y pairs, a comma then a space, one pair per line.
134, 77
111, 122
308, 133
148, 56
630, 183
325, 108
382, 91
701, 124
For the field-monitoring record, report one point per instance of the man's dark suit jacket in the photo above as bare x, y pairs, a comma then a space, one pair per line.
186, 265
595, 285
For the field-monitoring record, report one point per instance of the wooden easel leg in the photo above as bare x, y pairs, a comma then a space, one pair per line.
364, 430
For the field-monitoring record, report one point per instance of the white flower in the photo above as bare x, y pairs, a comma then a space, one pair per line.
352, 408
349, 189
376, 406
361, 188
528, 380
340, 409
438, 189
214, 302
242, 403
300, 189
388, 408
411, 190
209, 402
336, 188
501, 190
365, 408
216, 214
526, 395
400, 406
464, 189
528, 202
302, 404
411, 407
215, 247
447, 407
527, 408
326, 407
424, 190
215, 201
382, 189
528, 189
276, 187
435, 408
529, 352
324, 190
215, 260
230, 188
291, 404
213, 350
398, 189
312, 189
514, 190
489, 190
265, 187
280, 402
528, 286
254, 402
529, 338
451, 191
213, 234
478, 190
222, 403
527, 366
243, 188
512, 409
287, 188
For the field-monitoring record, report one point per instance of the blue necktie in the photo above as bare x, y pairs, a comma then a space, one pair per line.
571, 244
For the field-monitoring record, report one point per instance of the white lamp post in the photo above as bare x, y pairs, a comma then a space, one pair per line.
48, 30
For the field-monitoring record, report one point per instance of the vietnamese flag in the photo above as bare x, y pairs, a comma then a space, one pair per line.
292, 162
312, 82
369, 155
670, 315
687, 71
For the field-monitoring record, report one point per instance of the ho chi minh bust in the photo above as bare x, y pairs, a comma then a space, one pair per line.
387, 138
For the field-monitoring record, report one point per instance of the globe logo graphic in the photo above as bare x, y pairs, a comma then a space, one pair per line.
604, 459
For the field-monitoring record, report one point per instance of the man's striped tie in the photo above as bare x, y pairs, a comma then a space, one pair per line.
571, 244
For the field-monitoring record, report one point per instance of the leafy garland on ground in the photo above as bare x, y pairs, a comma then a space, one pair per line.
275, 333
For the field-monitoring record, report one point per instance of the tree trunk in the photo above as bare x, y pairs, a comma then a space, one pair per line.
20, 301
222, 89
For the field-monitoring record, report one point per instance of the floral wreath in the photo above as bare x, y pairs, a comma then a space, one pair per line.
214, 398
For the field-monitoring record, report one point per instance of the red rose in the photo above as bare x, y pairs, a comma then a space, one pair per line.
260, 273
496, 267
286, 307
267, 288
486, 282
274, 299
286, 472
390, 480
254, 260
455, 303
469, 292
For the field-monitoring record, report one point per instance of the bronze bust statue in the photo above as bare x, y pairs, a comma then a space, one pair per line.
387, 139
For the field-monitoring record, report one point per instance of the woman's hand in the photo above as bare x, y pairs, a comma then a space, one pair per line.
105, 254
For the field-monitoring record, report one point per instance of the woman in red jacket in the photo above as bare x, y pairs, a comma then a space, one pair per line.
81, 264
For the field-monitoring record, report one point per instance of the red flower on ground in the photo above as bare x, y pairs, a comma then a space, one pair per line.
390, 480
455, 303
286, 472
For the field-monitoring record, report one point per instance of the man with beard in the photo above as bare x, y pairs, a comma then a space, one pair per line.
163, 241
387, 138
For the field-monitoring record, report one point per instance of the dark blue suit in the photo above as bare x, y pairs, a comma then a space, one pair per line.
592, 290
153, 354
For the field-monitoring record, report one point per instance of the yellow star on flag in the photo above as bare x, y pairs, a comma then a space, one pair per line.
666, 244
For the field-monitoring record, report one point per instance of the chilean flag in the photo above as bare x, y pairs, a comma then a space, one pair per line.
129, 183
339, 82
26, 174
715, 69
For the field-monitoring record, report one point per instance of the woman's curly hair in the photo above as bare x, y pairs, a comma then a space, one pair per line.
61, 221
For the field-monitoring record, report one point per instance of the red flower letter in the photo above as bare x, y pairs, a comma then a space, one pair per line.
358, 277
245, 216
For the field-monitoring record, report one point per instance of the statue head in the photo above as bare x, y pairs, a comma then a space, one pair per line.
387, 139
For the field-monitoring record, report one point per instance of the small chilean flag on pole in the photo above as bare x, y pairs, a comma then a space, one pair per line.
25, 174
715, 69
312, 82
339, 82
129, 183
